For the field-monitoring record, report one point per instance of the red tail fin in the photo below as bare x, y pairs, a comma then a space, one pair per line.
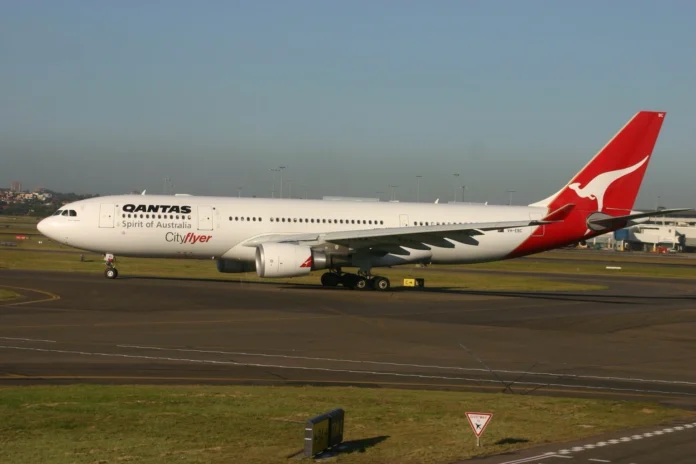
610, 181
609, 184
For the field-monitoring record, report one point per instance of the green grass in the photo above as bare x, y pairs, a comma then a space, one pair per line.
7, 294
253, 425
27, 260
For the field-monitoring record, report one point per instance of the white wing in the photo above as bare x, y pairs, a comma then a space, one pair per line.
417, 237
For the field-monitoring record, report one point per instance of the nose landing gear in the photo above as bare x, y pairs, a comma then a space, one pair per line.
111, 272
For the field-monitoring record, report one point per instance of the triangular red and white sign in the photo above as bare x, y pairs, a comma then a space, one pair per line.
478, 421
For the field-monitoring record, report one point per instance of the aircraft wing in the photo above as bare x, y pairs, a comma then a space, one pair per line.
418, 237
603, 220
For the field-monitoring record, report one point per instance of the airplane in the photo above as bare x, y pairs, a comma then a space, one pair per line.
282, 238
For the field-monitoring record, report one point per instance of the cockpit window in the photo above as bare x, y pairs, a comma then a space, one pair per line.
65, 212
73, 213
58, 213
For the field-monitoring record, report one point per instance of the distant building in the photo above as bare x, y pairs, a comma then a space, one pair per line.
16, 186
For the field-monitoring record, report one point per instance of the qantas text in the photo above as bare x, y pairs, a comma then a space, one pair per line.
167, 209
188, 238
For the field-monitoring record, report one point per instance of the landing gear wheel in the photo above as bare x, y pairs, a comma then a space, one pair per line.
111, 273
330, 279
360, 283
381, 283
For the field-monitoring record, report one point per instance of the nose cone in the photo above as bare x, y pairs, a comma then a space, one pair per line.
44, 226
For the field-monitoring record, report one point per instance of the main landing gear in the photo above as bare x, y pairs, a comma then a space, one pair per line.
359, 281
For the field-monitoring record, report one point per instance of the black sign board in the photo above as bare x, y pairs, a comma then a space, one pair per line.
323, 432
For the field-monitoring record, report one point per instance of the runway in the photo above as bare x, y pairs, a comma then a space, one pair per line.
634, 340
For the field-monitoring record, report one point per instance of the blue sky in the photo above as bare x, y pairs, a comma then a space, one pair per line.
352, 97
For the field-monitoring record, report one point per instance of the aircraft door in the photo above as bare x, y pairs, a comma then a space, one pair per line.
403, 220
538, 230
205, 217
106, 215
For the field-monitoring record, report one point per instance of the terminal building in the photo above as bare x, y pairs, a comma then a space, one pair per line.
670, 232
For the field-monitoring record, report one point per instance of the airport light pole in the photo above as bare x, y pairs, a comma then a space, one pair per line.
456, 176
418, 178
463, 190
392, 187
281, 180
510, 192
239, 192
273, 171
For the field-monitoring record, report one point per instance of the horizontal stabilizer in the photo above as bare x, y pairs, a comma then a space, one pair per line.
559, 214
600, 221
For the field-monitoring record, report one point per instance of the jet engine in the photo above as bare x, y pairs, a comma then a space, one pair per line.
287, 260
232, 266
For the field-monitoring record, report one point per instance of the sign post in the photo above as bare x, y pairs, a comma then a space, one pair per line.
478, 422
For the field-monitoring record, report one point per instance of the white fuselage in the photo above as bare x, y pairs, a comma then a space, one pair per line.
218, 227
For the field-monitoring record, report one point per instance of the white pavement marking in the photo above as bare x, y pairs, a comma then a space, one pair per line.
28, 339
345, 371
615, 441
536, 458
386, 363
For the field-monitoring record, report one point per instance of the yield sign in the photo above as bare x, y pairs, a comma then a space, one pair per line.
478, 421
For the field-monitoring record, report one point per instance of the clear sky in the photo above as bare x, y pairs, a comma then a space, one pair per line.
107, 97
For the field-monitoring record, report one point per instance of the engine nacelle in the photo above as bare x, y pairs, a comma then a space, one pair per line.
287, 260
231, 266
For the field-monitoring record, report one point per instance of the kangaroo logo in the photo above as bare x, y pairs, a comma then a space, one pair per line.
597, 187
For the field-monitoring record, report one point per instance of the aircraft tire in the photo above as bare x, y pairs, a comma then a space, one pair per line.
360, 283
330, 279
381, 283
111, 273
